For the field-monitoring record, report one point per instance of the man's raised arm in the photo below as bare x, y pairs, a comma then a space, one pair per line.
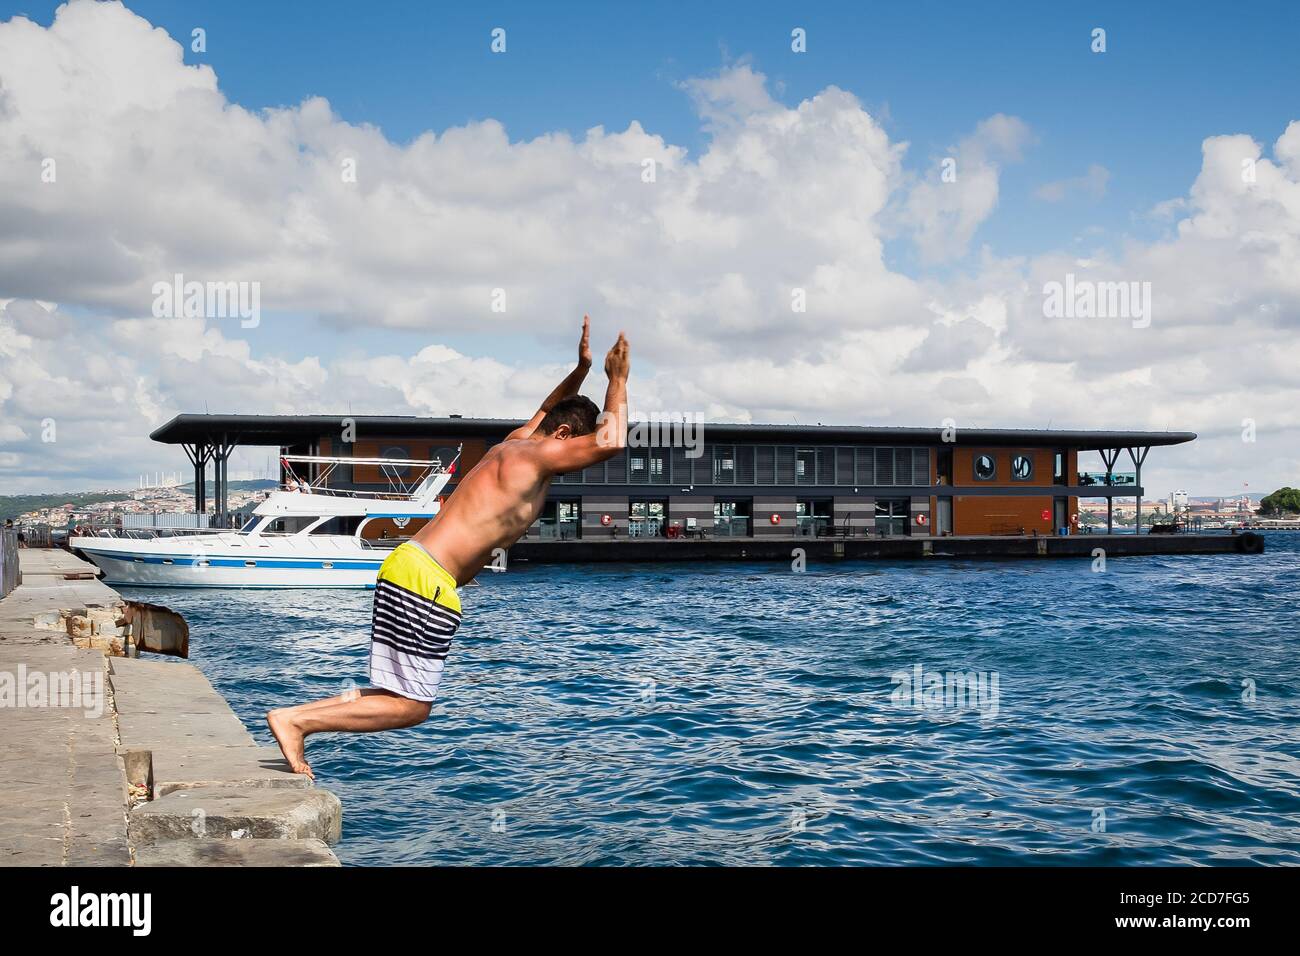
570, 386
611, 427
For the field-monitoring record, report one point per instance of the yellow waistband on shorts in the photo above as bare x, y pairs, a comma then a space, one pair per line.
412, 568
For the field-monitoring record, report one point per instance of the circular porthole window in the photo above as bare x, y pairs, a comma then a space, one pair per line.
985, 468
1022, 467
394, 471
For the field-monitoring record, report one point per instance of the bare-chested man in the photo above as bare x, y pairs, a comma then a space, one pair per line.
417, 608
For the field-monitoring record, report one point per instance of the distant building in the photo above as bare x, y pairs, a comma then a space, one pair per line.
759, 480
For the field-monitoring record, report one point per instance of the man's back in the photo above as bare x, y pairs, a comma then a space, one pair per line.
491, 508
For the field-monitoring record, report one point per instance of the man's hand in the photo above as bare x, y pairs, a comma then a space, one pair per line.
570, 386
584, 344
617, 362
610, 435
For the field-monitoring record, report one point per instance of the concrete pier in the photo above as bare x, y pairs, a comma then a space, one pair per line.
118, 761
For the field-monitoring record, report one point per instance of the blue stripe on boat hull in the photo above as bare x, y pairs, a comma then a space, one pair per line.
190, 560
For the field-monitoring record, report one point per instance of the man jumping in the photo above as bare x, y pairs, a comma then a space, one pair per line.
417, 609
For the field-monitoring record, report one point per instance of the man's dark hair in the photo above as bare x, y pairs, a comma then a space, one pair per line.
576, 411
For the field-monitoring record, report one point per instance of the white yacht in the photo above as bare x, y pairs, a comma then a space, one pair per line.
296, 538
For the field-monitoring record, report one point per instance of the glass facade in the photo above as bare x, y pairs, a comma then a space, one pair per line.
646, 519
812, 517
731, 517
1107, 478
892, 515
722, 465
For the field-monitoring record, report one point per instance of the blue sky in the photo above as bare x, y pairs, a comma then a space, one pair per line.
1170, 77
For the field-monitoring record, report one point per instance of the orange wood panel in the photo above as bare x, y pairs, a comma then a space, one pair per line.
995, 514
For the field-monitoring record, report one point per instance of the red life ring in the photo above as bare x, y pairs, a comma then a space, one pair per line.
775, 519
607, 520
923, 519
1074, 519
1047, 514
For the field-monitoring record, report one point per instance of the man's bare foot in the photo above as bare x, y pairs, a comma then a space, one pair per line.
290, 739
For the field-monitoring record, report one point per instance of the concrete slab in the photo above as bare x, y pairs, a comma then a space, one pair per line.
176, 768
20, 847
236, 853
259, 813
148, 731
156, 687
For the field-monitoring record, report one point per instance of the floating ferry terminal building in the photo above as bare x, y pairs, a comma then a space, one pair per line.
732, 480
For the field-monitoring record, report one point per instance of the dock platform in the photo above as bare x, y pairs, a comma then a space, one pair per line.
773, 548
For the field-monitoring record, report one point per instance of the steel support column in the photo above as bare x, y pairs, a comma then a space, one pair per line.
1109, 456
221, 478
1137, 456
199, 455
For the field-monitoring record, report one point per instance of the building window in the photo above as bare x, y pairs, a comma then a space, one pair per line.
1022, 467
731, 518
724, 464
813, 517
892, 515
395, 471
636, 467
656, 467
805, 466
645, 519
986, 468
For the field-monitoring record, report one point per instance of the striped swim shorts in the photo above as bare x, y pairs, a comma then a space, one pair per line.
417, 610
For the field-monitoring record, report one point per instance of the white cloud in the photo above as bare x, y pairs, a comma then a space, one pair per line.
159, 173
945, 212
1091, 184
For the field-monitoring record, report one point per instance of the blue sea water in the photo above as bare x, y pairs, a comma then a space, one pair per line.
749, 714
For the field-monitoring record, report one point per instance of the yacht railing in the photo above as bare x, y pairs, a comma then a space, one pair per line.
390, 468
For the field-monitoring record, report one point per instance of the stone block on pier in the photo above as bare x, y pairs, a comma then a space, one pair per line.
177, 768
228, 852
258, 813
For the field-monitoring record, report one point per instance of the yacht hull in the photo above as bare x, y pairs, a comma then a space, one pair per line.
173, 563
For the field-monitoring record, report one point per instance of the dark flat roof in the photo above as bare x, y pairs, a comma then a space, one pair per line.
288, 429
